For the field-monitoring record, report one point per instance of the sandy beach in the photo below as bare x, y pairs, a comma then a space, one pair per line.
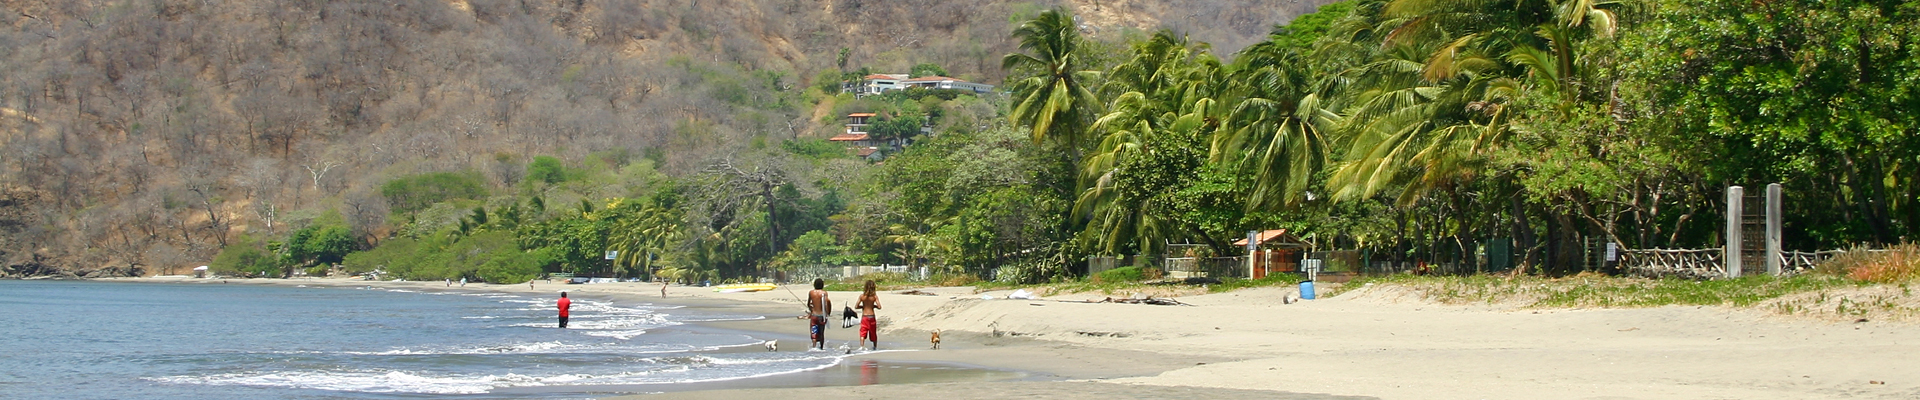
1367, 343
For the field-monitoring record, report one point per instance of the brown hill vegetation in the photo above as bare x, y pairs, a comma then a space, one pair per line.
147, 133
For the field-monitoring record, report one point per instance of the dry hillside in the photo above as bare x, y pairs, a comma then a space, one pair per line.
144, 134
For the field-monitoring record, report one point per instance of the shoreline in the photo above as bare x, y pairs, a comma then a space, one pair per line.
984, 359
1368, 342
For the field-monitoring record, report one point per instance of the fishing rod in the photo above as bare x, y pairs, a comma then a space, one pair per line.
803, 303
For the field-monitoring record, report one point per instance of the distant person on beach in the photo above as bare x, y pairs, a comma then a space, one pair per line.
449, 282
869, 326
663, 289
463, 282
818, 307
564, 305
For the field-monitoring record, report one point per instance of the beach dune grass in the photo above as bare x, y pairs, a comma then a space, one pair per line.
1148, 281
899, 281
1598, 291
1894, 265
1898, 265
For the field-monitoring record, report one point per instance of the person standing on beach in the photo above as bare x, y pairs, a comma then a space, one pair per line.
463, 282
818, 308
564, 305
869, 326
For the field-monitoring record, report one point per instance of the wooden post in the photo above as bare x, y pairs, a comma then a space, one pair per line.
1732, 257
1253, 243
1773, 229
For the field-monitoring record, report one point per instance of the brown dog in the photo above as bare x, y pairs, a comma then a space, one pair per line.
936, 339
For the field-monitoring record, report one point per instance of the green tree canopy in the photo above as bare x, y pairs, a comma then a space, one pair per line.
927, 69
546, 169
413, 193
323, 244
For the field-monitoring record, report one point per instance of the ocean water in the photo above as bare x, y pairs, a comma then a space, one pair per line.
167, 341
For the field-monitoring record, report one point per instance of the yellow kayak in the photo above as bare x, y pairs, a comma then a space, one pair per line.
745, 287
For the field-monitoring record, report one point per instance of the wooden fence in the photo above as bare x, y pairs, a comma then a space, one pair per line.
1711, 263
1795, 262
1209, 267
1662, 263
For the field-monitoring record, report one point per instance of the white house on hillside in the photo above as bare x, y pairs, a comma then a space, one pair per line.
882, 83
856, 134
941, 82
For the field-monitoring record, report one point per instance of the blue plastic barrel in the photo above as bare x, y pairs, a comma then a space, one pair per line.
1306, 290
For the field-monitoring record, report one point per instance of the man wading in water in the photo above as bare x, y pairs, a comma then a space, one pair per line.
818, 307
564, 305
869, 327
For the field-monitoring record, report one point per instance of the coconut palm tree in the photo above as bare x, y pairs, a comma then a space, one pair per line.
1432, 102
1052, 98
1163, 102
643, 233
1273, 132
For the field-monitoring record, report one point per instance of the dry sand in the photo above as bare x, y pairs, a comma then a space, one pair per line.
1367, 343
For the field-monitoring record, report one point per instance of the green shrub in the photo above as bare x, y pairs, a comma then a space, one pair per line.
510, 266
1031, 271
413, 193
546, 169
491, 256
904, 126
815, 149
1122, 274
380, 257
245, 257
323, 244
926, 69
1277, 279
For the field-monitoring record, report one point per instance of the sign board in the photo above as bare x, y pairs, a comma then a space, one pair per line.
1253, 241
1613, 252
612, 254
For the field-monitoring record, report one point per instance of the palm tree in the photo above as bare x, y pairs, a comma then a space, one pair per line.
1273, 132
1432, 102
1163, 100
644, 233
1053, 98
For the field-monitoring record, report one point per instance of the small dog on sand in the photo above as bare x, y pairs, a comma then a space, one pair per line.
848, 318
773, 345
936, 339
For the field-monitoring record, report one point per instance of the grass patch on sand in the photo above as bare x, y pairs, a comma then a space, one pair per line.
1232, 284
1898, 264
1595, 291
1079, 285
1119, 281
1887, 274
899, 281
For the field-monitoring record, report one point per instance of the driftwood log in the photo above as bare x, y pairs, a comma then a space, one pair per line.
1148, 300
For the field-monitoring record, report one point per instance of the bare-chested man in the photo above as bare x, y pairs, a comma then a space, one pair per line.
869, 327
818, 307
